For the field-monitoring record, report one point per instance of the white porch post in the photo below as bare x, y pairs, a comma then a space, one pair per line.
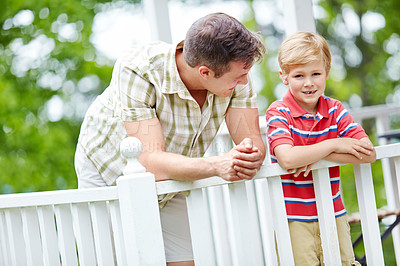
298, 16
392, 186
140, 214
157, 15
368, 213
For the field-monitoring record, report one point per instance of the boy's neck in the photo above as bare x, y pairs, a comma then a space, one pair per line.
308, 109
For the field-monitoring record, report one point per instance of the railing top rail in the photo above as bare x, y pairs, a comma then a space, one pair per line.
375, 110
170, 186
270, 170
58, 197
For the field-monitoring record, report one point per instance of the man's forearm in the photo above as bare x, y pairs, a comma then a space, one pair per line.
167, 166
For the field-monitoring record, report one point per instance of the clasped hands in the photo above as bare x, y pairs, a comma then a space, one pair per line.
241, 162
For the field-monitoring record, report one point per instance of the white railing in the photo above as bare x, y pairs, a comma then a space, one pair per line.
382, 115
100, 226
121, 224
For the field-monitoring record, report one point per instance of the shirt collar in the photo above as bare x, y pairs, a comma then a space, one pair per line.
175, 83
296, 110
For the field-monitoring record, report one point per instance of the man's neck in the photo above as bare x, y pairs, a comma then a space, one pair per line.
190, 79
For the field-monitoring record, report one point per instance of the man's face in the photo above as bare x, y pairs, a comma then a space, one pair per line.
225, 84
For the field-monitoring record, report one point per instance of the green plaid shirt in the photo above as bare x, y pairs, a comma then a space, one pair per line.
146, 84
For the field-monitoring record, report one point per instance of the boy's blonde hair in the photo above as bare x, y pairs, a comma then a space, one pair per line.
301, 48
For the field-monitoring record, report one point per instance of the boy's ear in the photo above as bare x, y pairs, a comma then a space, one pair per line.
283, 77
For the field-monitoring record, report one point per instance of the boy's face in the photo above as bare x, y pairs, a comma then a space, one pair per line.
306, 83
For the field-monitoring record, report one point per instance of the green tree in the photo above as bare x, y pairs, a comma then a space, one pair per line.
41, 68
366, 35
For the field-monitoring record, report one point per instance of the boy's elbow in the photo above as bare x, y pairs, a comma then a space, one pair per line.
284, 163
371, 158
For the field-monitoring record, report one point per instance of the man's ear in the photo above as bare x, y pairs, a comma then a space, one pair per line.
283, 77
205, 72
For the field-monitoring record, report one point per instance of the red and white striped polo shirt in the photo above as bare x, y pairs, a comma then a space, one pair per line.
288, 123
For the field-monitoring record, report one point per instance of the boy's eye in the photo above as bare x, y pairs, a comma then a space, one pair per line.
317, 74
298, 76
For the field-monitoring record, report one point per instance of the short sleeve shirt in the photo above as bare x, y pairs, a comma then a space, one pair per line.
288, 123
146, 84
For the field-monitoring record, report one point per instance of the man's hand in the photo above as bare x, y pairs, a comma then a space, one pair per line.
247, 160
241, 162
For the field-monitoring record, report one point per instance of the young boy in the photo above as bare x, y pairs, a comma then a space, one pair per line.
304, 127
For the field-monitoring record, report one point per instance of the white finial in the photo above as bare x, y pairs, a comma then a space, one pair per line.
130, 149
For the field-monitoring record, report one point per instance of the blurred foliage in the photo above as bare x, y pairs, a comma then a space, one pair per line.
364, 62
37, 153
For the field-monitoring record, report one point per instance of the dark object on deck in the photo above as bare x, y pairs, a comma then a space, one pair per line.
355, 218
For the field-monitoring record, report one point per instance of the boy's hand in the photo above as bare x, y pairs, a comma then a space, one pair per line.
354, 147
296, 172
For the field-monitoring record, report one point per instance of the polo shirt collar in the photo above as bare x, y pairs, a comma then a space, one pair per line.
296, 110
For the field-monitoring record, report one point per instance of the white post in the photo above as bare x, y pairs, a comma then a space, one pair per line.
201, 228
391, 184
157, 15
369, 217
139, 209
244, 228
326, 217
298, 16
280, 221
266, 221
396, 230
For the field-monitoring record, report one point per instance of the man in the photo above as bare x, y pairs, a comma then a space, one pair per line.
174, 98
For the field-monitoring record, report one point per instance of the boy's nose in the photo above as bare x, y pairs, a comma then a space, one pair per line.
307, 82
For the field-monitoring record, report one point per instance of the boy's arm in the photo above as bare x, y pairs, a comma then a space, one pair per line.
292, 157
349, 158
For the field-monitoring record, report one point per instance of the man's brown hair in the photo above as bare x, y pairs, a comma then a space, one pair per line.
218, 39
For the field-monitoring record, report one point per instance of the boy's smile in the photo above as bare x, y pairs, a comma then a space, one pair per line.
306, 83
